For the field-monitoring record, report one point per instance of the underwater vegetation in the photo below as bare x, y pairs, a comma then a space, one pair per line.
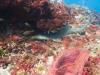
47, 37
35, 14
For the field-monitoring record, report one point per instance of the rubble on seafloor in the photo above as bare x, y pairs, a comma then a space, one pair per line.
71, 49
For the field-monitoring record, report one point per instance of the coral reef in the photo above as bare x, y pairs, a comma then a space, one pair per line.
46, 37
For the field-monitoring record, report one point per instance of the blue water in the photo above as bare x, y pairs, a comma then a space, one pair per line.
92, 4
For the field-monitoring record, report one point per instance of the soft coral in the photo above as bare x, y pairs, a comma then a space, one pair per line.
69, 63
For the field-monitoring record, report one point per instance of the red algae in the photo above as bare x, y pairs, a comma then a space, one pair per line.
15, 37
39, 14
74, 54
